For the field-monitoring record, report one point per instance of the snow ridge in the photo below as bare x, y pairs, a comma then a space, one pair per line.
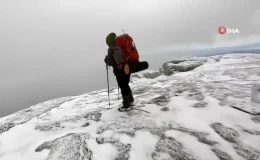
190, 118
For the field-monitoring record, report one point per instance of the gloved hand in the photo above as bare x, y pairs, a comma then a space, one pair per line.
105, 60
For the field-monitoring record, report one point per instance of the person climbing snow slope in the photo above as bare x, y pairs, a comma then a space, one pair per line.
124, 58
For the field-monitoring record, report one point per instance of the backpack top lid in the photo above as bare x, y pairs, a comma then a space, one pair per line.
110, 39
123, 40
122, 35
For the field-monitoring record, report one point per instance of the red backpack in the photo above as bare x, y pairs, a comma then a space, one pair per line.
125, 50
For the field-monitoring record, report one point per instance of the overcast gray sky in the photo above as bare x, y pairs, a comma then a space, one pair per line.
55, 48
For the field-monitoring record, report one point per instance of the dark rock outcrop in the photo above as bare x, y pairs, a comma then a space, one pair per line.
72, 146
181, 65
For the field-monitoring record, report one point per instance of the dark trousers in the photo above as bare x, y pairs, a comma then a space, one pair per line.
123, 83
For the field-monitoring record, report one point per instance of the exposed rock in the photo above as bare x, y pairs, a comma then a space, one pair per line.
231, 135
247, 152
161, 71
72, 146
200, 105
256, 119
194, 58
136, 76
130, 123
164, 109
6, 126
202, 136
94, 116
225, 132
140, 90
253, 132
123, 151
221, 154
173, 148
86, 124
196, 95
255, 92
43, 128
199, 97
180, 66
166, 69
151, 75
185, 66
177, 61
160, 101
47, 126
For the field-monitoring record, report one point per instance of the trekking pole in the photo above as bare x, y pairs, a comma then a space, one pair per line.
108, 86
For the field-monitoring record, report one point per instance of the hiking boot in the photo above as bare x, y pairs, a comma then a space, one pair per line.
124, 108
126, 104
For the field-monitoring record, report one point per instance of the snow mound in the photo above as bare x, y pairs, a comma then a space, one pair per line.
204, 113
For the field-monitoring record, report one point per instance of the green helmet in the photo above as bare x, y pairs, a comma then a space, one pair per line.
111, 39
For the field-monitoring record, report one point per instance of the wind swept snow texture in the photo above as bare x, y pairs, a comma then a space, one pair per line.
185, 116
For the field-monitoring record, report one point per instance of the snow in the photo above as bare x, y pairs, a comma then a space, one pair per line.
20, 143
190, 117
125, 139
102, 152
143, 146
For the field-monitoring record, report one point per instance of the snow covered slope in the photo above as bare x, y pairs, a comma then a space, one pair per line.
191, 116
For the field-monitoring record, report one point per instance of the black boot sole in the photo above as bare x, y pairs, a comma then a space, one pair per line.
125, 109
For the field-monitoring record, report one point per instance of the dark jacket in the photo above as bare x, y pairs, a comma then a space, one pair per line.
111, 62
110, 57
